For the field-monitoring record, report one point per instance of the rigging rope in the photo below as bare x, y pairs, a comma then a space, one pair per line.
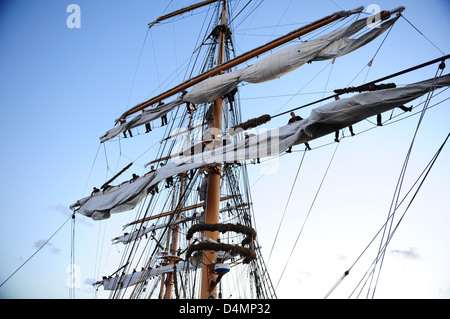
132, 249
300, 91
42, 246
394, 207
279, 21
256, 6
422, 34
106, 158
309, 212
137, 65
379, 48
229, 23
73, 270
90, 172
424, 173
392, 210
329, 76
285, 208
441, 59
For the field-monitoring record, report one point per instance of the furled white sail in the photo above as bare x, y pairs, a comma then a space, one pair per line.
323, 120
143, 231
283, 61
214, 87
145, 117
116, 199
124, 281
344, 112
329, 46
126, 238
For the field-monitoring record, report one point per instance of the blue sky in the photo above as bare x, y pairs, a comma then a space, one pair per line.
62, 88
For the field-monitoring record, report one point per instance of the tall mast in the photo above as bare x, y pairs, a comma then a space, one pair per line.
213, 196
172, 252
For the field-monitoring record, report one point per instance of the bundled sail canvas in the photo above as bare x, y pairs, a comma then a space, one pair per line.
329, 46
283, 61
344, 112
210, 89
128, 280
322, 120
115, 199
141, 119
279, 63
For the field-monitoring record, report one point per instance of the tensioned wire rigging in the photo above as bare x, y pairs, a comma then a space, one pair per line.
153, 254
438, 60
443, 58
421, 178
386, 230
39, 249
426, 107
391, 214
307, 215
369, 64
388, 122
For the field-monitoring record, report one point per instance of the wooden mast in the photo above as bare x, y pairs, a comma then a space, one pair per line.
208, 290
213, 196
168, 253
173, 250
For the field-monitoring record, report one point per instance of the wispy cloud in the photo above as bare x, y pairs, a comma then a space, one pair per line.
410, 253
60, 208
54, 250
65, 210
90, 281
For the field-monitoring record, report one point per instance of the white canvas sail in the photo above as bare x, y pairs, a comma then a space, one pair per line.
129, 237
124, 281
277, 64
145, 117
342, 113
323, 120
329, 46
214, 87
116, 199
